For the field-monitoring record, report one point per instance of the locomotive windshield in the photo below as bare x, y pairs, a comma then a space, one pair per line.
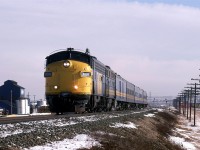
64, 55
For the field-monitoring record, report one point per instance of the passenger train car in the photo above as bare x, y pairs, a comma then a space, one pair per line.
77, 81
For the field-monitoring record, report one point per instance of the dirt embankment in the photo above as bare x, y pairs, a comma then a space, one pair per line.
151, 133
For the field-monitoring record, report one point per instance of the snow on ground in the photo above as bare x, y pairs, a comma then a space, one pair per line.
10, 129
159, 109
182, 142
104, 133
7, 129
68, 123
127, 125
186, 134
79, 141
150, 115
34, 114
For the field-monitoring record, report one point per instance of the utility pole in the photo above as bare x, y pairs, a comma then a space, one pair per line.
195, 95
28, 95
190, 105
184, 96
34, 98
180, 103
188, 101
34, 104
187, 93
190, 92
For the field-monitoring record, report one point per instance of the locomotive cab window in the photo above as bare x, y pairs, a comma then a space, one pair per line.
47, 74
85, 74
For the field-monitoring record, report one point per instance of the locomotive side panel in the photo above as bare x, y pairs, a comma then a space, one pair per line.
140, 96
120, 89
99, 78
110, 83
145, 97
137, 95
130, 92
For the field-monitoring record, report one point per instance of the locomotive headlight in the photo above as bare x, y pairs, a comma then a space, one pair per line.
55, 87
75, 87
66, 64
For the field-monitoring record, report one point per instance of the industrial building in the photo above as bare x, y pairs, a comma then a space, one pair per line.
10, 93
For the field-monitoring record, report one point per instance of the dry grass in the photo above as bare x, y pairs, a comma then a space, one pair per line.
151, 134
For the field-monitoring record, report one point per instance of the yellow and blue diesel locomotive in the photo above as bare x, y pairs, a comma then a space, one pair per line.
77, 81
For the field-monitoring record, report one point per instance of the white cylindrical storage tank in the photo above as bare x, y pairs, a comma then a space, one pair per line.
22, 106
41, 103
44, 103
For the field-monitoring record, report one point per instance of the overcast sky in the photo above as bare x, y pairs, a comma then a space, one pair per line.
155, 44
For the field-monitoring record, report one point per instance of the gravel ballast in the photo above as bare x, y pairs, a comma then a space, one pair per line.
113, 130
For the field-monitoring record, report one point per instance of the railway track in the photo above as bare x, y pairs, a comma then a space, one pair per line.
18, 119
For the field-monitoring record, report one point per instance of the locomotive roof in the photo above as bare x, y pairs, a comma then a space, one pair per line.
60, 51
